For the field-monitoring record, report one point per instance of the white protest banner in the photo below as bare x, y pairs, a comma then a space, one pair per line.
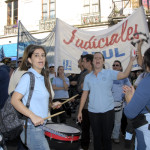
114, 42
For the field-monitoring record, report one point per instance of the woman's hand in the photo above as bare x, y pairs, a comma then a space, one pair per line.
36, 120
62, 76
132, 58
129, 92
56, 105
80, 117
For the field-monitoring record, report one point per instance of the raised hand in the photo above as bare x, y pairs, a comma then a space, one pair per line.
129, 92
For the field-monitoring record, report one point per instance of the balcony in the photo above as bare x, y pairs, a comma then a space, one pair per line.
48, 24
10, 30
90, 18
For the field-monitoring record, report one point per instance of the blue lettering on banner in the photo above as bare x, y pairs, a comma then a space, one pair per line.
110, 54
136, 65
67, 64
84, 53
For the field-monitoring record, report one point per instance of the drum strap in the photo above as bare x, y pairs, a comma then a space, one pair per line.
32, 82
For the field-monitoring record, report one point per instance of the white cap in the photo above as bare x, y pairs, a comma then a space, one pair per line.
50, 65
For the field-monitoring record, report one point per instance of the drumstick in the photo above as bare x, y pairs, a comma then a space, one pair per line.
54, 115
69, 99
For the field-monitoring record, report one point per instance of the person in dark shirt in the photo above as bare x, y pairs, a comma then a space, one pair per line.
4, 82
73, 78
85, 126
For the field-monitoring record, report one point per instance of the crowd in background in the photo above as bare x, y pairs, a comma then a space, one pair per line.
86, 85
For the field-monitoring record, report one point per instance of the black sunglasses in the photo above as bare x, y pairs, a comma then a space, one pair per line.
115, 65
51, 67
19, 62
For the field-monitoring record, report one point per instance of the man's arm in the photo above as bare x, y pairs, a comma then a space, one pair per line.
82, 103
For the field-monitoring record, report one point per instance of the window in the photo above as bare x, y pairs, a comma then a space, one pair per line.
12, 13
95, 8
87, 10
86, 2
91, 12
52, 9
95, 2
91, 6
45, 9
48, 9
15, 10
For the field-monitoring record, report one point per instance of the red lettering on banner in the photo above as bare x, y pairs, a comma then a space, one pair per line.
129, 32
93, 42
99, 43
123, 31
137, 36
88, 43
72, 38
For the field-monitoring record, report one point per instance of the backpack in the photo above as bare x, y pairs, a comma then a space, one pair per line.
11, 125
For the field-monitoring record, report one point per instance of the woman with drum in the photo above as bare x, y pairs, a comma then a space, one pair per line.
98, 85
60, 86
36, 63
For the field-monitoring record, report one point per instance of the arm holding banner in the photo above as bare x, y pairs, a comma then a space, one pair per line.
125, 74
139, 53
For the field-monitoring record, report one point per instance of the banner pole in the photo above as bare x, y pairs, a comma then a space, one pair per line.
18, 41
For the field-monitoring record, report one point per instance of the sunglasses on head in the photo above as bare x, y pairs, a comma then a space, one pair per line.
115, 65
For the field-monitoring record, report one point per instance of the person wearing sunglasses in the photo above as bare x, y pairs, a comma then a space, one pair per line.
118, 96
52, 72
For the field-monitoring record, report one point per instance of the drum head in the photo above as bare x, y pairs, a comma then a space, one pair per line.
62, 128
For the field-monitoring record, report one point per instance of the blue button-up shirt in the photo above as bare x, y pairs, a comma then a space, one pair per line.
100, 97
117, 90
40, 98
58, 82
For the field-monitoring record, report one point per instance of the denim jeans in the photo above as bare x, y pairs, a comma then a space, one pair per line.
35, 138
143, 136
117, 125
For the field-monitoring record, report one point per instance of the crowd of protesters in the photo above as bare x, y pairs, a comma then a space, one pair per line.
108, 103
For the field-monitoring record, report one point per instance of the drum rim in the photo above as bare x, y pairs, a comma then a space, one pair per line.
66, 133
60, 138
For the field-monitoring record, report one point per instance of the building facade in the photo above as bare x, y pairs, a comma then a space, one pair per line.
39, 16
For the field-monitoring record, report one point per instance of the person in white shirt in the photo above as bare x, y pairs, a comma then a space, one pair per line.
52, 73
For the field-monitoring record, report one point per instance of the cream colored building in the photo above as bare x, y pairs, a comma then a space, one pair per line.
38, 16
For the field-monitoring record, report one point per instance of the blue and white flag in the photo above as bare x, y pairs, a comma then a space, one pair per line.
2, 55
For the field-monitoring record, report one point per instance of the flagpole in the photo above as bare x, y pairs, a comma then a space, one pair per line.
18, 42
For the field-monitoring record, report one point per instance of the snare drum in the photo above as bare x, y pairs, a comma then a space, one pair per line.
61, 136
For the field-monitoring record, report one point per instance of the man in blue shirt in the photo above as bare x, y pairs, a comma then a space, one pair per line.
118, 95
